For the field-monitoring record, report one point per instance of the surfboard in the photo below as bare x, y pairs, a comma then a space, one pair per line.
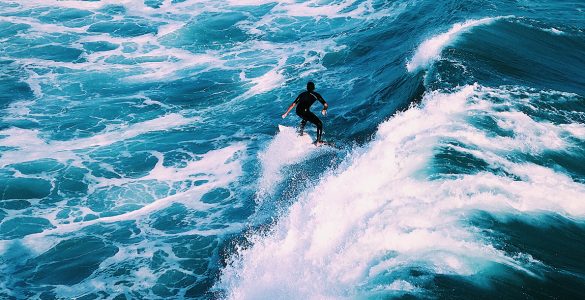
305, 138
326, 143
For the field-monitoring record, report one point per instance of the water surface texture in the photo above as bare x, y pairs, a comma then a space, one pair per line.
140, 156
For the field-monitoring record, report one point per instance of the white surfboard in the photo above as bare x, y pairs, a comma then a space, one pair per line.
292, 135
290, 131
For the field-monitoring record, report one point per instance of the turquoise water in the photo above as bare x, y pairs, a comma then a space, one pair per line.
141, 157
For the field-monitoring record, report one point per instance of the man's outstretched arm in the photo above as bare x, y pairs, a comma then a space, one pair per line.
325, 105
289, 109
291, 106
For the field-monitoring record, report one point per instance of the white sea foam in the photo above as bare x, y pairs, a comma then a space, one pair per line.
206, 166
32, 147
134, 6
555, 31
153, 61
286, 148
380, 215
307, 8
39, 28
430, 50
219, 168
268, 81
33, 83
157, 62
577, 130
18, 110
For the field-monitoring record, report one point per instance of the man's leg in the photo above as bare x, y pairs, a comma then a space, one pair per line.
309, 116
319, 131
302, 127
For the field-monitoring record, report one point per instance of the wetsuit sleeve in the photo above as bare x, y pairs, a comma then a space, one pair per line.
297, 99
321, 99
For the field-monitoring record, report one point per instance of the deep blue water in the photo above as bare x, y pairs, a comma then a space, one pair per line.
140, 156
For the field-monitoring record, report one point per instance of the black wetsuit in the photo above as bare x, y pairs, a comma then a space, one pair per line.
304, 101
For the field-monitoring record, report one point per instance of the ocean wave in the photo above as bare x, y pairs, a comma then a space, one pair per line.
430, 50
354, 233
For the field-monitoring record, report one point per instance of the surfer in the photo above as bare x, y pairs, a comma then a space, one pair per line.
304, 101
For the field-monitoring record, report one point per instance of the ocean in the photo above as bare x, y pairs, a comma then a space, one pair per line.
141, 155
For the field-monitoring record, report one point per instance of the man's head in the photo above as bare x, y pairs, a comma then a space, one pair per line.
310, 86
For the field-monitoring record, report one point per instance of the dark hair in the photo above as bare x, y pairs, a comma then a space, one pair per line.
310, 86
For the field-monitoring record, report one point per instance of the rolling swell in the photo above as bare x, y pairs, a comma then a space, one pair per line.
532, 56
140, 157
357, 236
485, 162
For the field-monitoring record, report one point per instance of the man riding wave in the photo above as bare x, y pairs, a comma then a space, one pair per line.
304, 101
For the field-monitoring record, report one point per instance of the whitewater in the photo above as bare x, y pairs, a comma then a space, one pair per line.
141, 155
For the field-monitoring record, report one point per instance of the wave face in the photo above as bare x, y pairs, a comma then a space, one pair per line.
141, 158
